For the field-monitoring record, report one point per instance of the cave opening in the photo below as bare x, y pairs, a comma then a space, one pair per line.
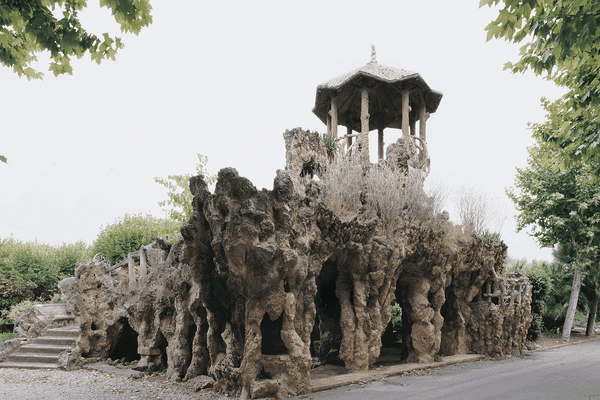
391, 340
272, 344
190, 344
162, 344
327, 329
127, 344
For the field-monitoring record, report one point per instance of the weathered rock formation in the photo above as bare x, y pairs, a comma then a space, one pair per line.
264, 281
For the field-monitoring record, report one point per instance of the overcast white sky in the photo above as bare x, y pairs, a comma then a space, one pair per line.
226, 79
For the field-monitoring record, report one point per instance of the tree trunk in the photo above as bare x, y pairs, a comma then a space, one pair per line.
566, 334
589, 331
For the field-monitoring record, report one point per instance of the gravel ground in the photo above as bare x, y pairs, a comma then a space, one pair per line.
103, 381
48, 384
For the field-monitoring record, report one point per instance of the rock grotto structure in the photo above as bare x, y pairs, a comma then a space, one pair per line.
264, 282
262, 285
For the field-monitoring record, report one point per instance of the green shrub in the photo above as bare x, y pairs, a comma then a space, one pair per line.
129, 233
396, 316
491, 237
31, 270
7, 336
330, 143
539, 293
11, 316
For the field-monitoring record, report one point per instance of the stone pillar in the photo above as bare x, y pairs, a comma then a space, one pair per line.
363, 138
131, 267
380, 143
348, 132
405, 113
423, 117
143, 267
334, 117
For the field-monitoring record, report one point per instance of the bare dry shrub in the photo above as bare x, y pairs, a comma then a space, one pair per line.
342, 185
438, 193
476, 212
417, 206
454, 234
385, 189
393, 197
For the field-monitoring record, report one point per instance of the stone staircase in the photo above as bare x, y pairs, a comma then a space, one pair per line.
43, 351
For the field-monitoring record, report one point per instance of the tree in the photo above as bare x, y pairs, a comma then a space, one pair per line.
563, 208
179, 204
129, 233
28, 27
562, 40
3, 159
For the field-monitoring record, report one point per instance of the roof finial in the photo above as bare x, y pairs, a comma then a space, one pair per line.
373, 53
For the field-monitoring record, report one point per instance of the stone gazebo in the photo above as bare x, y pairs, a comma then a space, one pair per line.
376, 97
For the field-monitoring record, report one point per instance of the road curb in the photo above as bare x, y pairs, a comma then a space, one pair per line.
592, 339
336, 381
321, 384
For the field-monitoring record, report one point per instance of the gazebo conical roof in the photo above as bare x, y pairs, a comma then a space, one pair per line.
385, 84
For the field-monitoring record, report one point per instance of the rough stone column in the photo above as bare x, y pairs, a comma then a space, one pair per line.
423, 117
380, 144
348, 129
251, 365
363, 139
405, 113
349, 139
143, 267
334, 117
131, 267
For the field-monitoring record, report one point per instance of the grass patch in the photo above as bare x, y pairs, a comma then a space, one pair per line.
7, 336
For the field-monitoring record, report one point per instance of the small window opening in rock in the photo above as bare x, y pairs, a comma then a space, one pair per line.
286, 286
496, 300
126, 346
272, 344
308, 169
430, 296
94, 327
264, 375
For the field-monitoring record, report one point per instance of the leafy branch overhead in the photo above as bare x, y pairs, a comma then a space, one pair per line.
28, 27
562, 40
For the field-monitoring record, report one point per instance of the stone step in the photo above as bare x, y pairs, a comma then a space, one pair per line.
55, 340
27, 365
42, 348
68, 331
33, 358
43, 351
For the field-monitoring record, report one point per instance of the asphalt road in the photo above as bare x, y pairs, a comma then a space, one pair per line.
570, 372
